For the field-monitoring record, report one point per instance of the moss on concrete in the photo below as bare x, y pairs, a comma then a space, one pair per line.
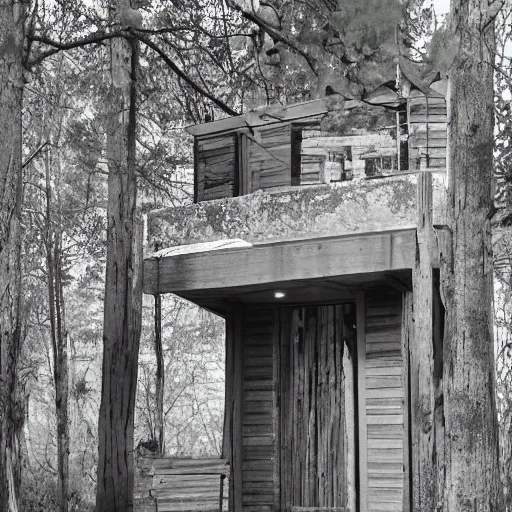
289, 213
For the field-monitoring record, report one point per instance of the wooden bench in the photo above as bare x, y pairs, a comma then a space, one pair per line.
190, 485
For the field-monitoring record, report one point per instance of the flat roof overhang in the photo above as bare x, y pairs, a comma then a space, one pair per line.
309, 270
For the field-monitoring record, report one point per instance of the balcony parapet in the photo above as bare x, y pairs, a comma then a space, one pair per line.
288, 213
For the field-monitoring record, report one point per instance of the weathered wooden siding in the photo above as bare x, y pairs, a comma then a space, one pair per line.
258, 438
216, 167
270, 157
306, 409
315, 426
427, 131
384, 403
313, 159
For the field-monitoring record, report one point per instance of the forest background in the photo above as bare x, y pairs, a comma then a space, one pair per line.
198, 60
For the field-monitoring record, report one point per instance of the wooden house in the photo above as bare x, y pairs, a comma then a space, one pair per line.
330, 298
282, 146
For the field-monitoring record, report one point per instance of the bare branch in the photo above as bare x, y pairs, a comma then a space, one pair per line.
57, 46
34, 154
275, 34
183, 75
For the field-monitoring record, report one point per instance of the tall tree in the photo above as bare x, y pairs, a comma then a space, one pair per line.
12, 33
471, 468
58, 334
123, 285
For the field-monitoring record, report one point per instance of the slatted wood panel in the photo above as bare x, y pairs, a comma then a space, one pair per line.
427, 136
384, 404
216, 167
270, 157
313, 159
314, 456
181, 485
259, 446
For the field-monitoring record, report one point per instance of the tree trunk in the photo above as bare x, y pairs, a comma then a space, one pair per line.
61, 381
422, 357
159, 377
12, 19
123, 291
471, 468
58, 335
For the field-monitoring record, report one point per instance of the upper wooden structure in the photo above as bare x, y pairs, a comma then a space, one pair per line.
328, 287
282, 146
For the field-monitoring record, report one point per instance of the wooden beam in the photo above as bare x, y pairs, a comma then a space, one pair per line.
237, 178
222, 125
281, 262
229, 405
262, 117
296, 143
361, 401
276, 408
227, 440
244, 169
407, 340
190, 466
284, 390
238, 391
196, 172
349, 372
431, 170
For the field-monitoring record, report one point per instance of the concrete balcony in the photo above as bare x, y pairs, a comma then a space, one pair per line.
291, 213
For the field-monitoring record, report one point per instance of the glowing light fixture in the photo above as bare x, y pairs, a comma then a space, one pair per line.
278, 294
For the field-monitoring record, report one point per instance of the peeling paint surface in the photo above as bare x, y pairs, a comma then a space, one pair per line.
295, 212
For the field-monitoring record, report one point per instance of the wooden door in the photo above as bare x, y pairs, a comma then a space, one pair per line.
317, 406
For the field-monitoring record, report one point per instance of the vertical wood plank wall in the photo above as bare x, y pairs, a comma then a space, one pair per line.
215, 166
384, 403
314, 394
270, 157
258, 437
382, 411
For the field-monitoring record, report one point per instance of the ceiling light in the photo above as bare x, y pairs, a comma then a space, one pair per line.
279, 294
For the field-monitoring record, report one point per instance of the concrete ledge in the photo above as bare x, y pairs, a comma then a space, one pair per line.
294, 213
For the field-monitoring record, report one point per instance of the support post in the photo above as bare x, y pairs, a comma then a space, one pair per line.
361, 400
421, 356
276, 409
160, 376
407, 341
236, 370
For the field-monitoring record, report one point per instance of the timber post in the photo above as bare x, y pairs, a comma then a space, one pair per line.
232, 447
421, 349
